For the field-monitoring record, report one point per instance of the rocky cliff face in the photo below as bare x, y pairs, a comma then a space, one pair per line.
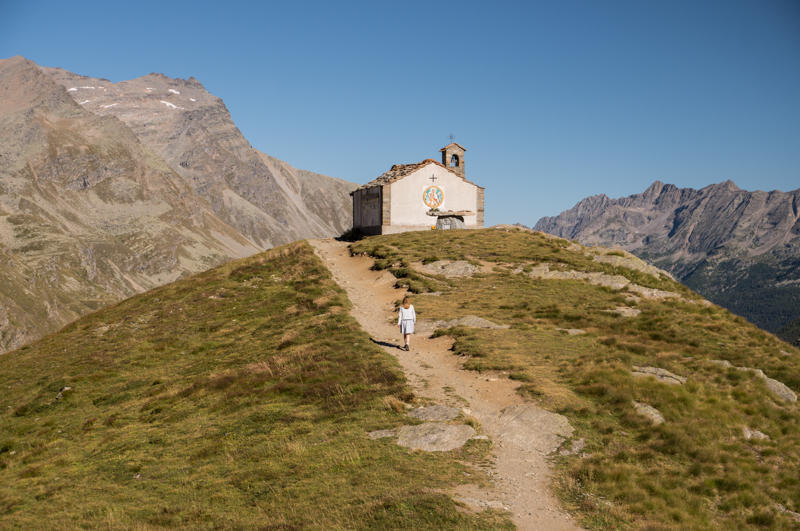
265, 199
88, 214
739, 249
108, 190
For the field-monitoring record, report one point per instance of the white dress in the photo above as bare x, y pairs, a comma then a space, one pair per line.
406, 320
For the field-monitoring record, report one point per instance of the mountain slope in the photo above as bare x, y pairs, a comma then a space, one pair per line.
88, 215
193, 131
739, 249
686, 417
238, 398
790, 332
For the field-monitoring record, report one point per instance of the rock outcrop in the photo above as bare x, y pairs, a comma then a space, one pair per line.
779, 389
728, 244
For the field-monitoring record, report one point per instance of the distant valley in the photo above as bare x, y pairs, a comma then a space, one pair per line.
738, 249
107, 190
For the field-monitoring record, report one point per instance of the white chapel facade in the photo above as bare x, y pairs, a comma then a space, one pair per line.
420, 196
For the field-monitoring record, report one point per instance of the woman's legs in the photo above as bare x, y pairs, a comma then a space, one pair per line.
407, 338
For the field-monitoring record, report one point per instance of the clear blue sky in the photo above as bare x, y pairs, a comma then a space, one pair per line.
554, 100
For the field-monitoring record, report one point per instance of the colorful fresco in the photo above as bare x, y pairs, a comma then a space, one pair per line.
433, 196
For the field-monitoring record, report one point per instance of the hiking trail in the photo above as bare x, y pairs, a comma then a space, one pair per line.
522, 433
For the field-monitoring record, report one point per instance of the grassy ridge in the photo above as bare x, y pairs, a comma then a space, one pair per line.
239, 398
696, 471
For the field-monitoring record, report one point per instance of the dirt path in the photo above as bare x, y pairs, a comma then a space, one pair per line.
522, 433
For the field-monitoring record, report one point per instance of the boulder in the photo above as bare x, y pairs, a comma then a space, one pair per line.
754, 434
572, 331
791, 514
631, 262
531, 428
435, 436
652, 293
616, 282
625, 312
459, 268
777, 388
435, 413
650, 412
662, 375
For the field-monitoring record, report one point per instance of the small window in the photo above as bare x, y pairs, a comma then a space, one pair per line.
453, 161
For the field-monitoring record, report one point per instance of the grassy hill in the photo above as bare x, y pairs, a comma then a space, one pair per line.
698, 470
239, 398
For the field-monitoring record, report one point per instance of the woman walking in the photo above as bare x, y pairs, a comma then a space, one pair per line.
406, 320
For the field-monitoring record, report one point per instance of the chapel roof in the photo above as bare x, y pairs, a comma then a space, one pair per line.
453, 144
399, 171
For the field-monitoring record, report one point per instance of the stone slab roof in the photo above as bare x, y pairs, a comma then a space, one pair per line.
453, 144
399, 171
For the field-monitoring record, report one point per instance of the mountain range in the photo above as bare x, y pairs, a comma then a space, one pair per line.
110, 189
737, 248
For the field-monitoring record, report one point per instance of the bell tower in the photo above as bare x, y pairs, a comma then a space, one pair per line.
453, 158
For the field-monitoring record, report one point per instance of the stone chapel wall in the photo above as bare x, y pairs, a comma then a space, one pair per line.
368, 210
408, 209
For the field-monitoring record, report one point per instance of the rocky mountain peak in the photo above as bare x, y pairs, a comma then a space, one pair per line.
719, 240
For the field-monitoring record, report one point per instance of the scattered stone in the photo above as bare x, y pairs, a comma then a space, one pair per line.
649, 412
435, 436
577, 446
631, 262
543, 271
652, 293
380, 434
625, 311
723, 363
755, 434
459, 268
530, 428
572, 331
481, 438
779, 389
662, 375
786, 511
616, 282
475, 503
435, 413
63, 390
785, 353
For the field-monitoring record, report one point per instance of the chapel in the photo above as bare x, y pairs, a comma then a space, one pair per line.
420, 196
